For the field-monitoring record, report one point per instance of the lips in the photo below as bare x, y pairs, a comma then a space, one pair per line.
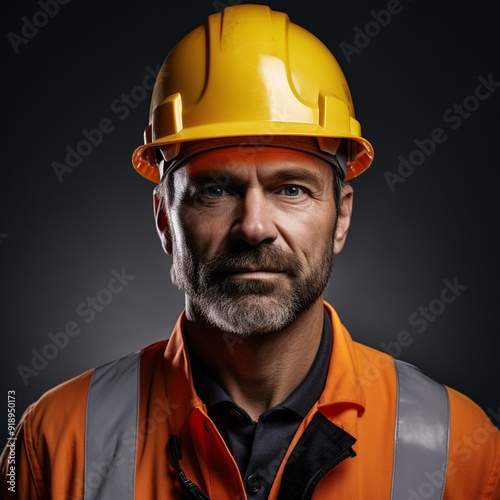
261, 259
253, 270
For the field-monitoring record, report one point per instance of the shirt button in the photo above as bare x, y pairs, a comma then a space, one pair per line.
253, 483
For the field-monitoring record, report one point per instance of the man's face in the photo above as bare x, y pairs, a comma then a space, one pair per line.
252, 235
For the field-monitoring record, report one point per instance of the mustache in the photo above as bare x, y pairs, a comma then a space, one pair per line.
264, 257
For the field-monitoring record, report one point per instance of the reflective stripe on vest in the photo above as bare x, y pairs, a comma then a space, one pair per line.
111, 430
422, 435
420, 448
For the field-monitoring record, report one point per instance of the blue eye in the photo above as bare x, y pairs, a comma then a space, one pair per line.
293, 191
213, 191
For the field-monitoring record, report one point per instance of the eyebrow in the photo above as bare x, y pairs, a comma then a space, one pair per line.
281, 175
297, 174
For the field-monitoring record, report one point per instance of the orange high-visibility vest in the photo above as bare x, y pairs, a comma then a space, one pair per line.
380, 430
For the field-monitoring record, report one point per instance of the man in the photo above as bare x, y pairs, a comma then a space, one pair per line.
260, 392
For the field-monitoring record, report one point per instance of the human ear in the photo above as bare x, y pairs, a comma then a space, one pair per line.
162, 222
344, 218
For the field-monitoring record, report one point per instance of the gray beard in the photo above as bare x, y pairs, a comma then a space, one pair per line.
245, 307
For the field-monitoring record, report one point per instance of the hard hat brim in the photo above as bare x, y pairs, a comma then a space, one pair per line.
360, 156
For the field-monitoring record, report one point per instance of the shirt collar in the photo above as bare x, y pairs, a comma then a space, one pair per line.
344, 385
299, 401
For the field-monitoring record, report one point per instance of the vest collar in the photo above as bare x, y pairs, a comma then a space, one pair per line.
343, 385
342, 390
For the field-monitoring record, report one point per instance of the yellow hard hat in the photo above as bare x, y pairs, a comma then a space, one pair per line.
249, 71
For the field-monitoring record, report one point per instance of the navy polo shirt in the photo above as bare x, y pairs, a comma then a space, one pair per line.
259, 447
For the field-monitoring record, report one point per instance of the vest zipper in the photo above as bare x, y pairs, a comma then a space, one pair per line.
191, 490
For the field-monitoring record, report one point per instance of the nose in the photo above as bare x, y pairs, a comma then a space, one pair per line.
254, 223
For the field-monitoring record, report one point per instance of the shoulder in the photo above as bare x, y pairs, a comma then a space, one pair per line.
473, 466
467, 416
63, 400
67, 402
58, 418
474, 452
52, 430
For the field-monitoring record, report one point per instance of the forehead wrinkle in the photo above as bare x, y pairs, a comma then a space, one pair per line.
296, 174
211, 168
229, 167
274, 170
237, 175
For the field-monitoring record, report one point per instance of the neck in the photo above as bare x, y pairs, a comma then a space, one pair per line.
261, 371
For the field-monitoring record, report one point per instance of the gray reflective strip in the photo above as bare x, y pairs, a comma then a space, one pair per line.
422, 436
111, 430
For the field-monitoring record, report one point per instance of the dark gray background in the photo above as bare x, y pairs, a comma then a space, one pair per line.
60, 241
